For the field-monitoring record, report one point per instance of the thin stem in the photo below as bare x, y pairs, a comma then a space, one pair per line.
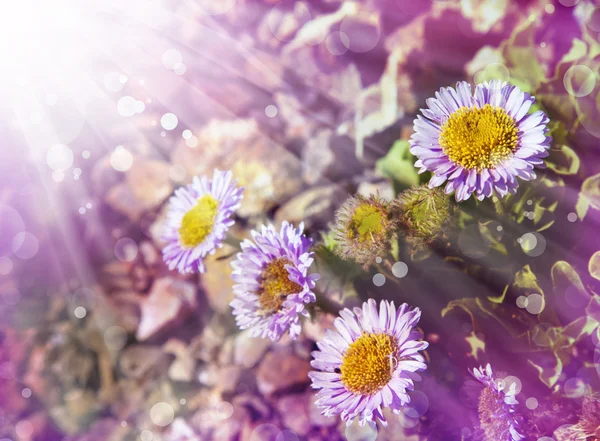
385, 268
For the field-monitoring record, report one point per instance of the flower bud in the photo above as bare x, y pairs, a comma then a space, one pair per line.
424, 214
364, 229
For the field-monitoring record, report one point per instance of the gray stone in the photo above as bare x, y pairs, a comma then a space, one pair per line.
294, 413
248, 351
281, 371
169, 300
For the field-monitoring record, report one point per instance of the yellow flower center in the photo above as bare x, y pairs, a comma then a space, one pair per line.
198, 222
368, 363
366, 223
276, 285
478, 138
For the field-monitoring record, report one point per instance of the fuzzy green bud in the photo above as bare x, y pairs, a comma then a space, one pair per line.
364, 229
424, 214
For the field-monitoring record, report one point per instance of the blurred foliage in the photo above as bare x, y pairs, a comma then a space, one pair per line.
398, 165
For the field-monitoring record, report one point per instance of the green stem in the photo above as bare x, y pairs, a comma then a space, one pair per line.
499, 206
385, 268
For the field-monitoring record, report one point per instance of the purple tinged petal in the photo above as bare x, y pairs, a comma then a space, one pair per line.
464, 93
437, 180
514, 102
523, 110
533, 137
532, 121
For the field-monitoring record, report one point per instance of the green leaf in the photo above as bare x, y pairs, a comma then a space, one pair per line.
589, 196
543, 216
593, 310
579, 328
558, 132
493, 71
565, 277
549, 373
558, 93
577, 51
398, 165
500, 298
582, 207
594, 265
553, 95
490, 236
526, 282
520, 57
563, 160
